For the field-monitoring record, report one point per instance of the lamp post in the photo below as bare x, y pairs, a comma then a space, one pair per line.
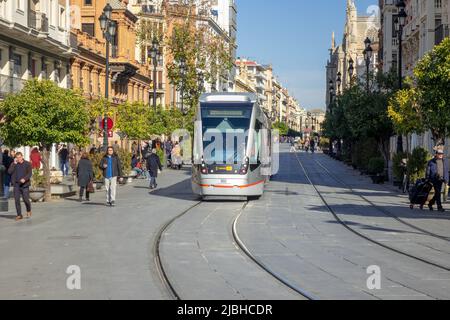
400, 21
183, 69
154, 54
109, 28
368, 52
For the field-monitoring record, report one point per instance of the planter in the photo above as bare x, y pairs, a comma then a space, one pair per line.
37, 195
377, 179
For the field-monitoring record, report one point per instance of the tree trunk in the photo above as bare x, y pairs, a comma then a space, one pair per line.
46, 168
383, 147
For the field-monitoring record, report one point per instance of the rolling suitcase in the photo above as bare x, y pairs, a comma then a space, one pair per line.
422, 194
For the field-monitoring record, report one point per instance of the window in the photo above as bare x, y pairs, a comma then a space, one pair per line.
33, 68
88, 28
62, 17
115, 46
88, 2
17, 58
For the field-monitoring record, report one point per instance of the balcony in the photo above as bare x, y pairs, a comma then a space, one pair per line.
9, 85
38, 21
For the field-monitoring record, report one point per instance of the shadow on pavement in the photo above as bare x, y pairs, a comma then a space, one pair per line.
180, 191
8, 216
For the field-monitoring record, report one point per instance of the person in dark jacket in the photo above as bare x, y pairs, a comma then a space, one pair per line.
7, 161
85, 175
153, 165
112, 170
438, 174
21, 173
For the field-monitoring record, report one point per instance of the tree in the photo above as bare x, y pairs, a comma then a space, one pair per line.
426, 104
282, 127
43, 114
432, 76
133, 120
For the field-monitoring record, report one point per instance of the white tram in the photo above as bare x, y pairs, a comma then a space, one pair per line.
232, 147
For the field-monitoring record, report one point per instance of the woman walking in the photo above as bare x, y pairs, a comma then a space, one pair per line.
153, 164
7, 161
85, 175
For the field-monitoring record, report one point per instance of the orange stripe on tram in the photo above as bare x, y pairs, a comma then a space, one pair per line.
231, 187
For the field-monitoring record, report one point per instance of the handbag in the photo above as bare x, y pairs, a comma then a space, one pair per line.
90, 187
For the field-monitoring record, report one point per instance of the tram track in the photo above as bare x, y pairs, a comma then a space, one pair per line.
383, 210
168, 285
261, 264
361, 235
240, 245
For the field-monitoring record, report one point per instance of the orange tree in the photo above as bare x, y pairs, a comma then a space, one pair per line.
43, 114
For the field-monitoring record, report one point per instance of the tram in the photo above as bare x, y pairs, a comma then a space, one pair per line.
232, 147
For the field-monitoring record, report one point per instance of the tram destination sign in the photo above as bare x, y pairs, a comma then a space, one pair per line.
226, 113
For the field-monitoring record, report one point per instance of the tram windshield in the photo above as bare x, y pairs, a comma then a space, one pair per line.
225, 132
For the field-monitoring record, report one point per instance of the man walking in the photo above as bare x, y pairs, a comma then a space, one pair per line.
153, 164
64, 160
21, 173
438, 174
112, 170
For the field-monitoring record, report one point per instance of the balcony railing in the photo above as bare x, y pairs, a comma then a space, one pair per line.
10, 85
37, 21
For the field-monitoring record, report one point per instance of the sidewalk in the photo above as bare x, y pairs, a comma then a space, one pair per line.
112, 246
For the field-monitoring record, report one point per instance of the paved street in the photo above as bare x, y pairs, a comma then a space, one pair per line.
290, 231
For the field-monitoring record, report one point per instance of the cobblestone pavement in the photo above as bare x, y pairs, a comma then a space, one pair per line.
290, 230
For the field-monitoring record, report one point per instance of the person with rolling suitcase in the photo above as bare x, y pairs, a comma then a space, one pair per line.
438, 175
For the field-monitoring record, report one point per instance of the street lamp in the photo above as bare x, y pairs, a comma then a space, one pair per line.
109, 29
400, 21
154, 55
183, 70
339, 82
368, 52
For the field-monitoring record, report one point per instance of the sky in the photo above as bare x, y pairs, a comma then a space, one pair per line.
294, 36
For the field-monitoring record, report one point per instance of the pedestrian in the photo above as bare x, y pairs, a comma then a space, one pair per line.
116, 147
64, 160
7, 161
134, 148
168, 146
312, 145
74, 158
112, 170
438, 175
85, 175
93, 150
35, 158
153, 165
21, 172
176, 156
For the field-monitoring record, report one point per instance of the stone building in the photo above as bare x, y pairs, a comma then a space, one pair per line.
356, 30
129, 79
34, 43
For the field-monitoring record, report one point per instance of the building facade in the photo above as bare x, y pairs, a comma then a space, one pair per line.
129, 79
34, 43
356, 30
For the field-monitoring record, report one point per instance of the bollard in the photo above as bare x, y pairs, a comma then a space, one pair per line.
4, 205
